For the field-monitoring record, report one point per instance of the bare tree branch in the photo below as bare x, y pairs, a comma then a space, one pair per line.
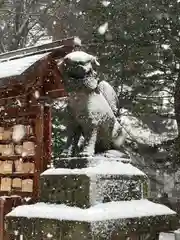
20, 18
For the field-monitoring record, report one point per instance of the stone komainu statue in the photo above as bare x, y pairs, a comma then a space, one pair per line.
91, 109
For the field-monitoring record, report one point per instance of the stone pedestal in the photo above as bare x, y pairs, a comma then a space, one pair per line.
177, 235
72, 162
92, 227
84, 162
98, 183
72, 190
104, 200
46, 229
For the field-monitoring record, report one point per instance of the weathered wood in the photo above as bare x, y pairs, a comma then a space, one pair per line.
47, 138
69, 42
39, 167
17, 112
6, 205
35, 116
134, 236
43, 76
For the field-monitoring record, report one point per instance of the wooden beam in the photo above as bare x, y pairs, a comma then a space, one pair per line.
39, 156
47, 138
48, 47
134, 236
54, 94
12, 92
24, 84
35, 79
19, 111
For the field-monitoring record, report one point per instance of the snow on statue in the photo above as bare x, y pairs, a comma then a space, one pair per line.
91, 110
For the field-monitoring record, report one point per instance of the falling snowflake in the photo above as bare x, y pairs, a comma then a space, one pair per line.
106, 3
103, 28
165, 46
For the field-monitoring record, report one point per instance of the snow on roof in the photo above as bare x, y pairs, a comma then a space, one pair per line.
102, 168
18, 66
99, 212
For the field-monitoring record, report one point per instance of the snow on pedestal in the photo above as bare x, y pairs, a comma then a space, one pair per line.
96, 222
107, 180
99, 212
84, 162
92, 202
102, 168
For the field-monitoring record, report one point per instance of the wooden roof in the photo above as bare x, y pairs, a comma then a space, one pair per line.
34, 68
57, 47
17, 67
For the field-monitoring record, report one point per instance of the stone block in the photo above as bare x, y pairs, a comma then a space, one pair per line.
83, 162
72, 190
72, 162
88, 186
40, 228
47, 229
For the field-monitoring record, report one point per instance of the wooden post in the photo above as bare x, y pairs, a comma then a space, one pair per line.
47, 137
1, 219
6, 205
39, 132
134, 236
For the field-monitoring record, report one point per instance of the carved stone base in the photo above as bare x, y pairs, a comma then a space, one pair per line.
72, 190
113, 181
72, 162
35, 229
96, 195
83, 162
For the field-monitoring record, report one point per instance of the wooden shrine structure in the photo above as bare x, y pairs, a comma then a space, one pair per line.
29, 80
